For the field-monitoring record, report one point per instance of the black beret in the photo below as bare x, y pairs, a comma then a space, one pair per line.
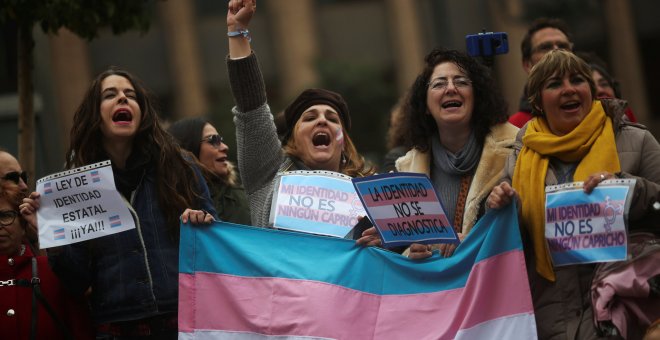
309, 98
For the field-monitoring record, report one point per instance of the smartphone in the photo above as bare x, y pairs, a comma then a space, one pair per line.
359, 228
487, 44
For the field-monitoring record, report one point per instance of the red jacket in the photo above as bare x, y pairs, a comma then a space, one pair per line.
16, 302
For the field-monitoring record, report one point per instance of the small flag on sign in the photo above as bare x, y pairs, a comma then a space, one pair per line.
59, 234
47, 188
115, 221
95, 176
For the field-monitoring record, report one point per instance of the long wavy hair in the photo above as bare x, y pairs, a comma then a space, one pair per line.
188, 134
174, 194
489, 105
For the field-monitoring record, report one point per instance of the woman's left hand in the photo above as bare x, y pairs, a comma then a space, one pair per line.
370, 237
592, 181
196, 217
447, 249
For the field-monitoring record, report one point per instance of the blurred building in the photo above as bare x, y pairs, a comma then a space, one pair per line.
368, 50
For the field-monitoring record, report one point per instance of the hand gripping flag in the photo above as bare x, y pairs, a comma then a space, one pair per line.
239, 282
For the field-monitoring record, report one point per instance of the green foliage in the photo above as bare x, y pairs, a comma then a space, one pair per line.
83, 17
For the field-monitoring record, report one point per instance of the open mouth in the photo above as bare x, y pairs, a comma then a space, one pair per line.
321, 139
221, 159
451, 103
572, 105
122, 116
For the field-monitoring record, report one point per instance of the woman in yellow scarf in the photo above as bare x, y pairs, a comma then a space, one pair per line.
573, 138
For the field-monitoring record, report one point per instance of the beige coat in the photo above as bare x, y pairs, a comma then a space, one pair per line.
497, 148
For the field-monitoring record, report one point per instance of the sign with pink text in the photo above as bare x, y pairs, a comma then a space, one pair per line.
80, 204
587, 228
316, 202
405, 209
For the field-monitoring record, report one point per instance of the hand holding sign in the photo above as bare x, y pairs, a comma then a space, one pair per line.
317, 202
29, 207
405, 209
77, 205
587, 228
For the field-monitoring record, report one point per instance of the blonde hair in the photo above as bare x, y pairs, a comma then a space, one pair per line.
555, 63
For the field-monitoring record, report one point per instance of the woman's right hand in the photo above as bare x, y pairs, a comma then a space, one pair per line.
420, 251
196, 217
28, 210
500, 196
239, 13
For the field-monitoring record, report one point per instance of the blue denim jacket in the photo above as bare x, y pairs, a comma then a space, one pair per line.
133, 274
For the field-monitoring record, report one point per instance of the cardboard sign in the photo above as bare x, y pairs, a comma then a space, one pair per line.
405, 209
581, 228
80, 204
316, 202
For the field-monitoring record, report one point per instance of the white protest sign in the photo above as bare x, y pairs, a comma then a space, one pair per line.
587, 228
80, 204
316, 202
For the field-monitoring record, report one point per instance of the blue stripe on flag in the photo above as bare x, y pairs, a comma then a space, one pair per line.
588, 255
315, 257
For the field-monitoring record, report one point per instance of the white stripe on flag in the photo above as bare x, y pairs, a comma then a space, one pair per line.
521, 326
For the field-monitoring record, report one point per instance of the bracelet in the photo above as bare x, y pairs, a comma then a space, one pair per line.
244, 32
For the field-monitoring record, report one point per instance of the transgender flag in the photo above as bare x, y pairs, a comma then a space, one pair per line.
239, 282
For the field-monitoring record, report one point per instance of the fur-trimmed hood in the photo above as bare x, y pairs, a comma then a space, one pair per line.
498, 145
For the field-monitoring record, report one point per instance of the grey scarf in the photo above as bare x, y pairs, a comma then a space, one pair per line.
461, 163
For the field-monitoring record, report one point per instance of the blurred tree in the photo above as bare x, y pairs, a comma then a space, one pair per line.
84, 18
371, 93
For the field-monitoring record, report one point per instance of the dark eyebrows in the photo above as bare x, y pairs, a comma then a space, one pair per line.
317, 111
114, 90
109, 89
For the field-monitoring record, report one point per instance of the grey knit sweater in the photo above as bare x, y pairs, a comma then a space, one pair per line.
260, 155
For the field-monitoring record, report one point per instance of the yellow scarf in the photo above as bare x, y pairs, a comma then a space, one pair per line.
591, 144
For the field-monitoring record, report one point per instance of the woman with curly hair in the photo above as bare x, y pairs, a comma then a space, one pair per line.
133, 275
458, 135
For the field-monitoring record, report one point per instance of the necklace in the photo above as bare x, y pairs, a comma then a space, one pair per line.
22, 251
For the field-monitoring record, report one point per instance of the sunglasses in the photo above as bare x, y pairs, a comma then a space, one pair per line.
7, 217
16, 177
214, 140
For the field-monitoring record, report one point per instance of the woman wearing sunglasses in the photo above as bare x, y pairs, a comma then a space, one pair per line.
63, 317
201, 138
133, 275
315, 135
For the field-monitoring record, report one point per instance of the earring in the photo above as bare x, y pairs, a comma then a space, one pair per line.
343, 159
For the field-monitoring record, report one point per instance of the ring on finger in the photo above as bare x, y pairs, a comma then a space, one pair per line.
602, 177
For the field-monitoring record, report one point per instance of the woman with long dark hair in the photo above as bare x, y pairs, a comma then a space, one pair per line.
133, 275
201, 138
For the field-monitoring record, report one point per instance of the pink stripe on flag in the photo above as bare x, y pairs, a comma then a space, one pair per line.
276, 306
187, 309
